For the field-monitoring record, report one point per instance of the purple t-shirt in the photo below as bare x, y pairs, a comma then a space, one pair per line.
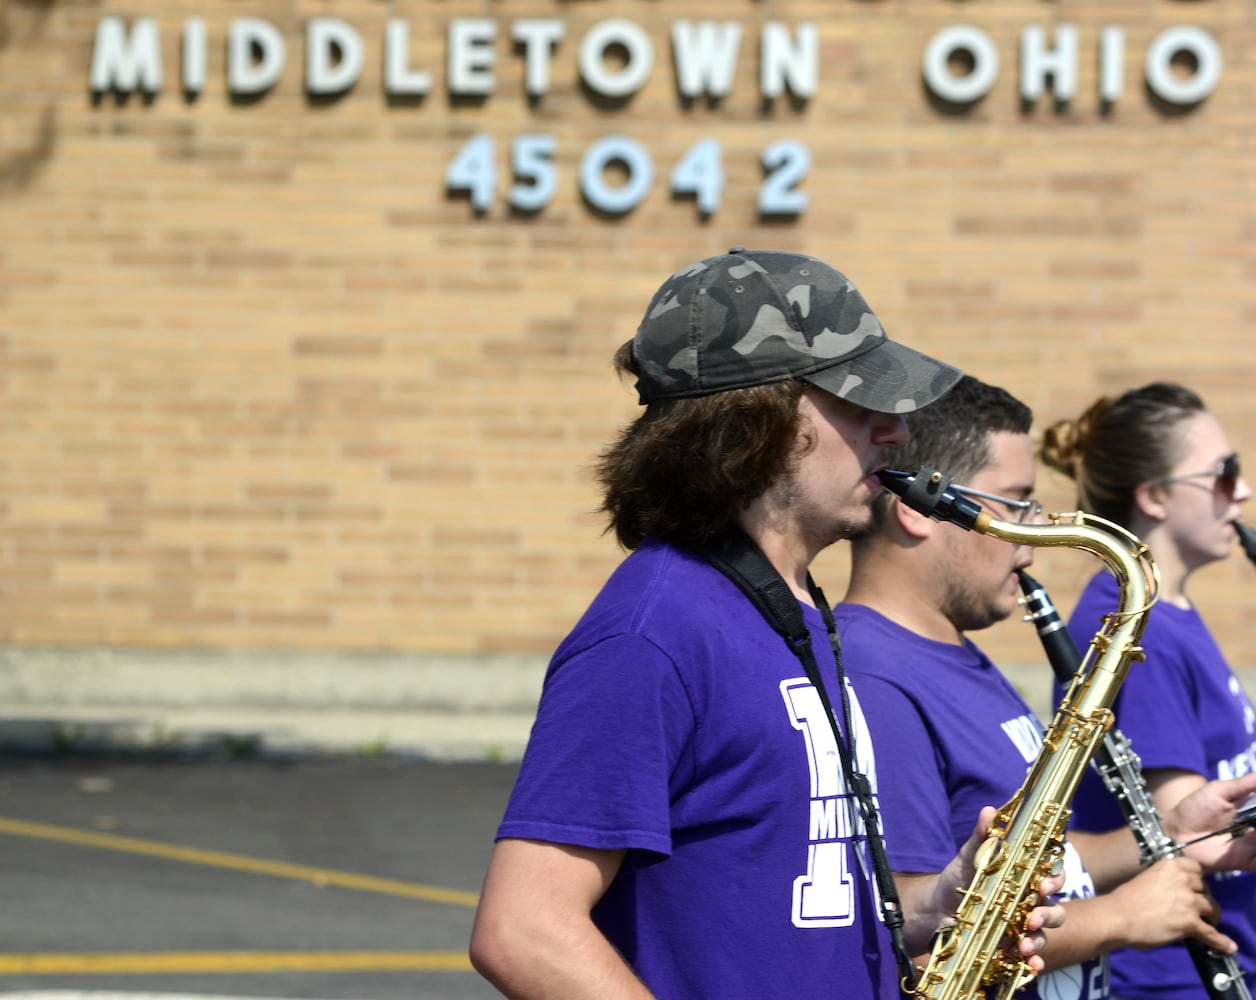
1181, 708
952, 736
676, 724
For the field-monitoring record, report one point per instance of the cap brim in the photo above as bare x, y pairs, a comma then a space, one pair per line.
890, 378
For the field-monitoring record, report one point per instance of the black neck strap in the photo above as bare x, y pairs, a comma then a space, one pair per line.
741, 560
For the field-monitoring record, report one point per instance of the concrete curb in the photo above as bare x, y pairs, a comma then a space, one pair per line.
294, 703
119, 995
254, 703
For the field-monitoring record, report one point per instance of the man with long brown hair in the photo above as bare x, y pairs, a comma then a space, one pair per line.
693, 815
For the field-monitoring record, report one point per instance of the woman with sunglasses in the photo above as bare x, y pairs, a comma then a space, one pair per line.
1156, 462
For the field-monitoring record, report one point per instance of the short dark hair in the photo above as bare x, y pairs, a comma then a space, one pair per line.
953, 434
686, 469
1119, 443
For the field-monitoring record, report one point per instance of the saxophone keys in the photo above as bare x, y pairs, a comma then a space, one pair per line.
990, 855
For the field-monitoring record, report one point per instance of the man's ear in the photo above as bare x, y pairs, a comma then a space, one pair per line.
1152, 500
910, 521
805, 440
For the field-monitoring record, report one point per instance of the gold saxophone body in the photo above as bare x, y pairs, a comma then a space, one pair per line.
1025, 841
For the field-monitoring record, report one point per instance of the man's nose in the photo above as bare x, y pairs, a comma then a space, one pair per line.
890, 428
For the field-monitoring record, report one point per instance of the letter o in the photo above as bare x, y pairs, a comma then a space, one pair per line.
1159, 65
936, 64
637, 67
636, 161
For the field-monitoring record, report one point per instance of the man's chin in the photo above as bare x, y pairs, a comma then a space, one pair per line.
856, 528
1002, 612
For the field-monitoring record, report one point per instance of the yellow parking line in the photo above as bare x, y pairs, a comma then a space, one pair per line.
238, 862
176, 962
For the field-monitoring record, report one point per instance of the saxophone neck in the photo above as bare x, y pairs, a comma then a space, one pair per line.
932, 493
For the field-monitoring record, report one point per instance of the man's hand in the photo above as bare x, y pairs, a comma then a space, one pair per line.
931, 900
1209, 808
1167, 902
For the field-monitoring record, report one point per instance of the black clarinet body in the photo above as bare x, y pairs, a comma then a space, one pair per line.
1122, 773
1247, 539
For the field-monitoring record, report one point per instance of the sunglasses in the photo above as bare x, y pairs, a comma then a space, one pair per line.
1024, 509
1226, 474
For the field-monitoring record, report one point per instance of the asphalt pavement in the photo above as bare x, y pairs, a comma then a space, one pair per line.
327, 879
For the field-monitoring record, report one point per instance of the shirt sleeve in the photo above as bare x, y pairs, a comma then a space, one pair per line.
613, 731
1157, 705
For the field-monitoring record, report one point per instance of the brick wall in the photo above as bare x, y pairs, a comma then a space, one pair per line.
265, 384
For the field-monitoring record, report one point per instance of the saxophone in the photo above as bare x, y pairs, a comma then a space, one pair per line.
1122, 773
1025, 842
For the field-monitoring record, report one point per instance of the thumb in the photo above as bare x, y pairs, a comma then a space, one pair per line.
1236, 789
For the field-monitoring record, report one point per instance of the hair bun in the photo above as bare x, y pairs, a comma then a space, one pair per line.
1065, 443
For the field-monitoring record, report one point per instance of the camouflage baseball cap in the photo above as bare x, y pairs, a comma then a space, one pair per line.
749, 317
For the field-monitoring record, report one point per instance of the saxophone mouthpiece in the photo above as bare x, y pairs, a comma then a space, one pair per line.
928, 491
1247, 539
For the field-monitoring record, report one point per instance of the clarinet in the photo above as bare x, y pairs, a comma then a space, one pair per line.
1247, 539
1122, 773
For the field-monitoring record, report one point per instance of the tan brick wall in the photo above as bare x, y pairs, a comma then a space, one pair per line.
264, 384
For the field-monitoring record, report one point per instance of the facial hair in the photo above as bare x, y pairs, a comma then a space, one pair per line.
971, 611
817, 522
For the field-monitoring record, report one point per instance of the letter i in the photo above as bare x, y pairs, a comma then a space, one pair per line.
194, 49
1111, 64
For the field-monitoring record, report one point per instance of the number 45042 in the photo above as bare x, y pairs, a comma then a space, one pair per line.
699, 173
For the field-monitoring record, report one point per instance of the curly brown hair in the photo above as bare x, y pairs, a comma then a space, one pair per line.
1118, 443
686, 469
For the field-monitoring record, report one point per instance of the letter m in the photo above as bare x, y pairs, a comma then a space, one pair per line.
823, 819
121, 63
